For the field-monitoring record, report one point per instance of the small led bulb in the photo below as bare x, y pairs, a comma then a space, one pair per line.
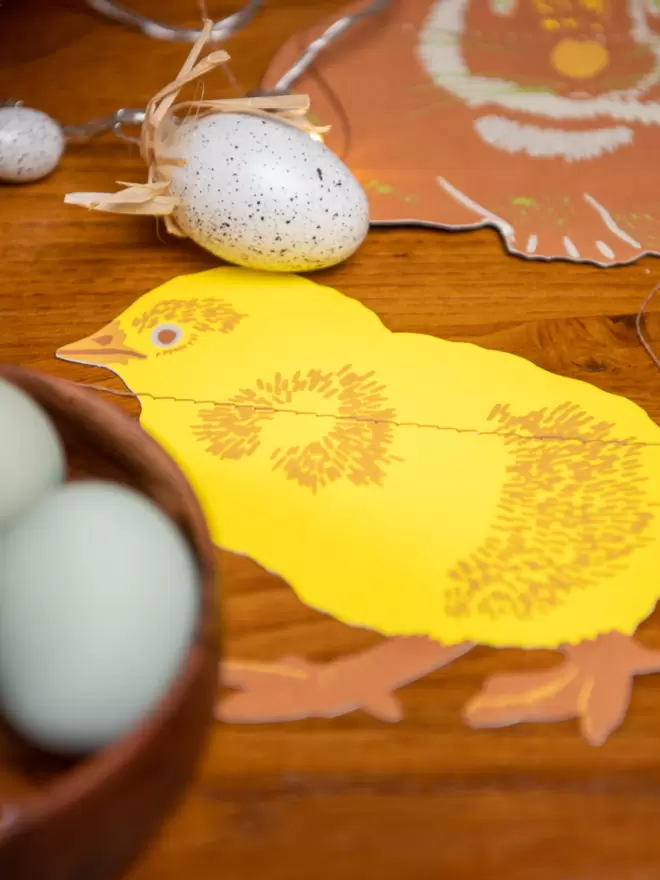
31, 144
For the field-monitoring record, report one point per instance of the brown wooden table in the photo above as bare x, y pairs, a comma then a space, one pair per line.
322, 800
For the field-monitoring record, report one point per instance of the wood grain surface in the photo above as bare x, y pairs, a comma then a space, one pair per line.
352, 797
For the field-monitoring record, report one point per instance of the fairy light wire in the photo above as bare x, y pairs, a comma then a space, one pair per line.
115, 121
222, 29
329, 35
126, 116
260, 409
639, 326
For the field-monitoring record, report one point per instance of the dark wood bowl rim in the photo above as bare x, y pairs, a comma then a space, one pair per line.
93, 771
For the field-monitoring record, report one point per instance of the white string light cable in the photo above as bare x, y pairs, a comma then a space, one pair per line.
221, 30
32, 143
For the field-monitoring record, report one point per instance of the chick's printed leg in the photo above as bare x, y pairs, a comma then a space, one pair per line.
593, 684
296, 688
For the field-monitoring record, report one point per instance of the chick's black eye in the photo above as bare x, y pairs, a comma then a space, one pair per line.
166, 335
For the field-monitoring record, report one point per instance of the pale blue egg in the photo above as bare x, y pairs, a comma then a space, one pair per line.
31, 456
99, 597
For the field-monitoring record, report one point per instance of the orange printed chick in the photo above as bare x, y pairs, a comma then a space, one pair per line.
440, 494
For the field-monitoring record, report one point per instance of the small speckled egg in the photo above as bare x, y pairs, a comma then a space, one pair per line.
265, 195
31, 456
31, 144
99, 596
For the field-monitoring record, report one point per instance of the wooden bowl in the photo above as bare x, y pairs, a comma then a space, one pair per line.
86, 820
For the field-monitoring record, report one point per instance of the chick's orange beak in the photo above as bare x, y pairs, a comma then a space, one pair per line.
104, 347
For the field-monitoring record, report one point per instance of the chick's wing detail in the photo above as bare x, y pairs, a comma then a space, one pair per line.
574, 505
342, 426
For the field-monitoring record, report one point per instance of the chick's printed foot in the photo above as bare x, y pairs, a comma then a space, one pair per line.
296, 688
593, 684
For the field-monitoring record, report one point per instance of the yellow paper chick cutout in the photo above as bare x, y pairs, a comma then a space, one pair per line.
396, 481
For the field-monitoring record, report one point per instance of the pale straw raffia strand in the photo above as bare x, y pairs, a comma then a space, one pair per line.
161, 119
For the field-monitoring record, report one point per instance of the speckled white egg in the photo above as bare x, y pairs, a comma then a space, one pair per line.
31, 456
31, 144
265, 195
99, 596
